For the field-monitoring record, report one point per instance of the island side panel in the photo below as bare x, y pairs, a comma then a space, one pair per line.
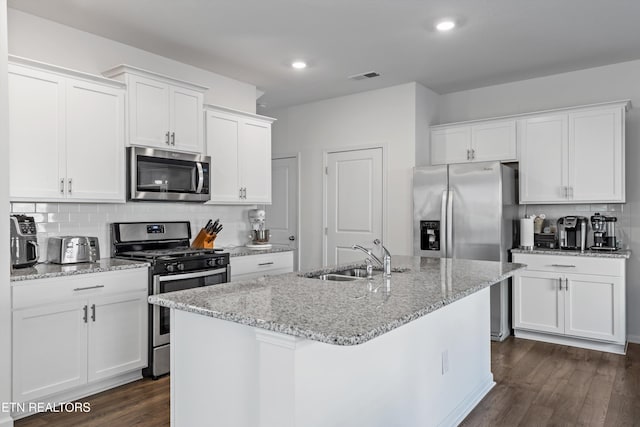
226, 374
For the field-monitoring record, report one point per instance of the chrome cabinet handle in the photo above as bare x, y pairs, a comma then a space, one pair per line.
266, 263
173, 138
70, 184
240, 193
244, 193
566, 284
468, 154
85, 309
93, 312
563, 265
61, 185
166, 141
560, 280
292, 238
473, 154
88, 287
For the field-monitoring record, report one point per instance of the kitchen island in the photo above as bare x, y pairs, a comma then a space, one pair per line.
293, 350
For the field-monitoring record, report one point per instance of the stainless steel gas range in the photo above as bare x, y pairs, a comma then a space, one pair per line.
174, 267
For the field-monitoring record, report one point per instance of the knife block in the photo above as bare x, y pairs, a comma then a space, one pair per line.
203, 240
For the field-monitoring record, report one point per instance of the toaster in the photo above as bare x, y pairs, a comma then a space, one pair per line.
72, 249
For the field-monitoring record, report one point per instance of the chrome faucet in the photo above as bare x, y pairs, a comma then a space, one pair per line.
386, 259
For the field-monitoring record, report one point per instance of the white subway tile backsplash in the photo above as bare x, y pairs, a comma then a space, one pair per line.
46, 207
23, 207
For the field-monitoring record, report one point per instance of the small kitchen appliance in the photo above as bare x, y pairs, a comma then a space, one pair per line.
259, 234
23, 241
72, 249
175, 266
599, 227
572, 232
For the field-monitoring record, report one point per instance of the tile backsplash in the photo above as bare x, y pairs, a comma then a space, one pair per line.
93, 219
553, 212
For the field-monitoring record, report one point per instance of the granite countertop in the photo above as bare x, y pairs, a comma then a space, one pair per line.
43, 271
342, 313
621, 253
244, 251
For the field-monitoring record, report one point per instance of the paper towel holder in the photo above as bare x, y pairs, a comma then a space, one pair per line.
526, 233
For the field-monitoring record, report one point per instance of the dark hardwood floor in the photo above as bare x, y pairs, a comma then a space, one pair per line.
538, 384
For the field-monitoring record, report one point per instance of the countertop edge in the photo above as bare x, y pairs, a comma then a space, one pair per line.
93, 269
329, 338
620, 254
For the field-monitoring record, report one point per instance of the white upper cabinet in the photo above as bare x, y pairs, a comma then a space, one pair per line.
163, 112
493, 140
66, 135
239, 145
574, 156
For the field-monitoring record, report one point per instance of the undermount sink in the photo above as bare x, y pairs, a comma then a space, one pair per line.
345, 275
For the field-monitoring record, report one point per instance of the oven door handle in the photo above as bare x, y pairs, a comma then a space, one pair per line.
200, 178
191, 275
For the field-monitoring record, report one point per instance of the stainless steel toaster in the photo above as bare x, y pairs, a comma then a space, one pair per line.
72, 249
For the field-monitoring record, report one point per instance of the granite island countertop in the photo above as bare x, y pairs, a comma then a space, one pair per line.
245, 251
342, 313
621, 253
45, 270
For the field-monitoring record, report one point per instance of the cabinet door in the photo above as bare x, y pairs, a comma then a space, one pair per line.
95, 142
450, 145
117, 334
538, 302
255, 161
148, 112
36, 134
594, 307
222, 146
544, 159
494, 141
49, 350
186, 119
596, 166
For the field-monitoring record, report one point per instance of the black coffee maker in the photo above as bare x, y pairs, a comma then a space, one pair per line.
604, 232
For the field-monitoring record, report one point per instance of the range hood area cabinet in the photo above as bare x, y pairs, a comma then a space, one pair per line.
162, 112
490, 140
239, 145
574, 156
66, 135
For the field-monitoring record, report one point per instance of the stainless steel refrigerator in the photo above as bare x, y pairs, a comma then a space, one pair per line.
468, 211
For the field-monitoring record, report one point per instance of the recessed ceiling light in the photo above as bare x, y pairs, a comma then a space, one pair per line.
299, 65
445, 25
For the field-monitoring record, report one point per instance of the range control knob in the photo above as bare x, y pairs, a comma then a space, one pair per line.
212, 262
180, 266
220, 261
170, 268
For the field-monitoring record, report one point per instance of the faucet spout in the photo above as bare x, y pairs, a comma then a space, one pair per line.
369, 253
385, 263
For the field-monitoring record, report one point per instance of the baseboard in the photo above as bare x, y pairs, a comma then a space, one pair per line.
6, 420
82, 392
572, 342
633, 339
467, 405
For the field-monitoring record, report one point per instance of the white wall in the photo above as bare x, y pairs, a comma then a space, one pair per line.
47, 41
426, 113
380, 117
612, 82
5, 289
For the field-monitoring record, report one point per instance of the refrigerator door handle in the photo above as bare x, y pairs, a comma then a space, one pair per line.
444, 226
450, 224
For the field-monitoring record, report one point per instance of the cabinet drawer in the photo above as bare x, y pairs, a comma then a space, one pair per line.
268, 263
31, 293
572, 264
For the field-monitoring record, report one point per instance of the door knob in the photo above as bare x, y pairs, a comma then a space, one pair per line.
292, 238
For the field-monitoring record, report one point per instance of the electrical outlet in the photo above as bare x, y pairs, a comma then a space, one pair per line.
445, 362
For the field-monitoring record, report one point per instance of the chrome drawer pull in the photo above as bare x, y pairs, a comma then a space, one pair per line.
266, 263
88, 287
563, 265
84, 318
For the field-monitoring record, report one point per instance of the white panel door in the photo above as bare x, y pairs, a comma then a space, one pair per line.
222, 146
544, 159
148, 112
354, 203
186, 119
596, 168
117, 334
494, 141
282, 213
95, 142
594, 307
36, 134
254, 156
538, 302
49, 350
450, 145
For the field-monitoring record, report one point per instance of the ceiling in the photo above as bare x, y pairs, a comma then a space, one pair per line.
497, 41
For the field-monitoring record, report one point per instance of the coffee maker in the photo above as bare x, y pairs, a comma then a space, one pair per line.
604, 232
23, 241
259, 234
572, 232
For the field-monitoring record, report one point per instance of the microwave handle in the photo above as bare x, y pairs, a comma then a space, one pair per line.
200, 177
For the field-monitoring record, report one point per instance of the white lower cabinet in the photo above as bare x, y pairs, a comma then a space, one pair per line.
252, 266
564, 297
74, 331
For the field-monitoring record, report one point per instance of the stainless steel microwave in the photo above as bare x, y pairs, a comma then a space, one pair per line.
167, 175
